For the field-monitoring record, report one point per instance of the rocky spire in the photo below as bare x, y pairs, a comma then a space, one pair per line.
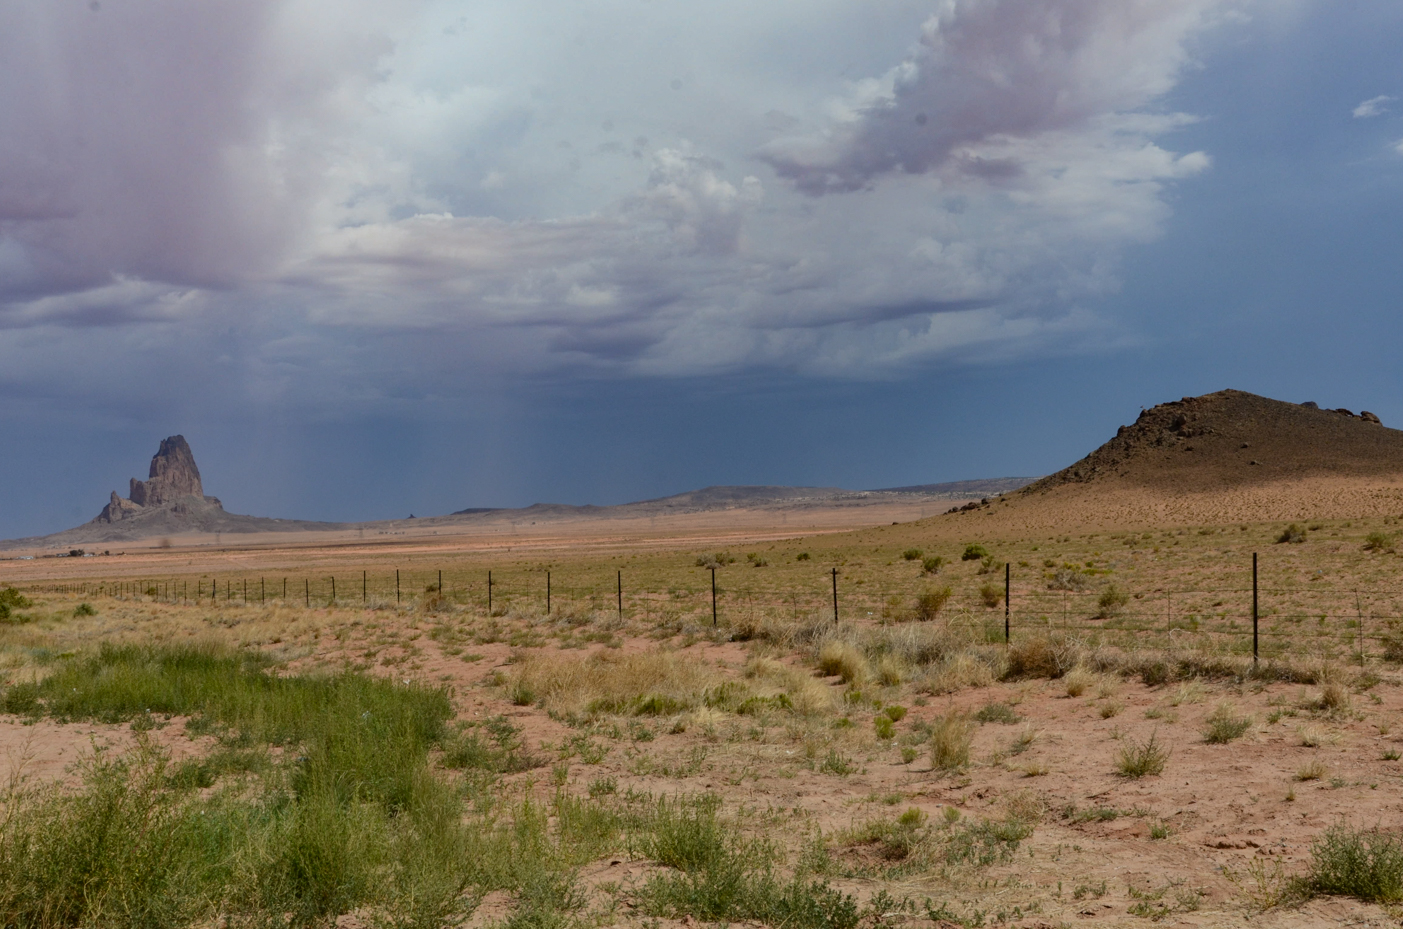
173, 481
173, 475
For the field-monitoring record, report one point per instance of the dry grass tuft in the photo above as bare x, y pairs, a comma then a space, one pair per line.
1025, 806
950, 738
1050, 656
1333, 698
808, 696
1078, 680
660, 682
1314, 736
966, 669
1188, 692
844, 660
891, 670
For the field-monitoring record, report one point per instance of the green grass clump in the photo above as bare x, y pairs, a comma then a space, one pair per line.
1292, 534
1139, 759
912, 554
719, 876
350, 818
987, 842
997, 713
974, 552
687, 833
1224, 726
497, 750
1362, 863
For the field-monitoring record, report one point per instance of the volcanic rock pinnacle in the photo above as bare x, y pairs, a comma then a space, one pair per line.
173, 481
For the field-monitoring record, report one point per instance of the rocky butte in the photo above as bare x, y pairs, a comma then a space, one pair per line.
173, 484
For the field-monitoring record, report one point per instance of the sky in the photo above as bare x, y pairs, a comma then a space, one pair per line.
374, 258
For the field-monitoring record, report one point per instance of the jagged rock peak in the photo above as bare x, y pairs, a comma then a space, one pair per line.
173, 475
173, 483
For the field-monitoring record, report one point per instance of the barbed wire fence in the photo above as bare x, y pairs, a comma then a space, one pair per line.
1357, 624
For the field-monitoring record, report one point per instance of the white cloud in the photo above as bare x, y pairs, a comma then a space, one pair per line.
550, 188
991, 70
1375, 106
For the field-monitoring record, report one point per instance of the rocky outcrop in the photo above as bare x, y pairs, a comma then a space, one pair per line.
1232, 438
173, 483
118, 508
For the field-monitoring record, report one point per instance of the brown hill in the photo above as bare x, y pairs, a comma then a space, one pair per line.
1221, 458
1230, 439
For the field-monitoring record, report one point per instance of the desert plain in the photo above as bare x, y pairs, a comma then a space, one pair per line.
1042, 710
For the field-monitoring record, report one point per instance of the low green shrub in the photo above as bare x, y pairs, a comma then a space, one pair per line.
1225, 726
974, 552
12, 598
10, 601
1111, 602
912, 554
1363, 863
1141, 759
1292, 534
932, 564
1378, 542
930, 602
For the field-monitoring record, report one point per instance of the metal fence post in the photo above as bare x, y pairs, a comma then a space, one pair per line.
1254, 609
835, 596
713, 596
1008, 587
621, 594
1359, 612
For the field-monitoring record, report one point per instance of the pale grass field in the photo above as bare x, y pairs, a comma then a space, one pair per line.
923, 767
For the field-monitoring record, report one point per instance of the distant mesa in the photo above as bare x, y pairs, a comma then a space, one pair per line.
173, 483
